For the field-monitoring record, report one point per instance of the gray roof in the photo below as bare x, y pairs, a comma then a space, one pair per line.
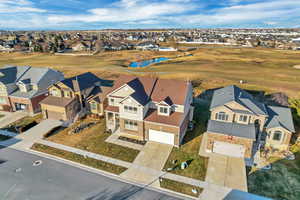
41, 77
280, 117
232, 129
233, 93
12, 74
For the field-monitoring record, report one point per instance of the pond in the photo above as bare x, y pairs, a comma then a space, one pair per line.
146, 63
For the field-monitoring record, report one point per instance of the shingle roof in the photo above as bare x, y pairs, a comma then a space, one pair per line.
280, 117
232, 129
41, 77
233, 93
148, 88
173, 119
85, 80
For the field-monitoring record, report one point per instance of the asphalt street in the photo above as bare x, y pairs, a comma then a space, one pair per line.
20, 180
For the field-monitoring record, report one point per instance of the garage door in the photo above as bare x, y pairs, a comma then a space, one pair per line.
233, 150
162, 137
54, 115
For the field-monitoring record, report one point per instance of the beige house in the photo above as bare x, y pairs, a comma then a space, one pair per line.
239, 123
85, 92
152, 109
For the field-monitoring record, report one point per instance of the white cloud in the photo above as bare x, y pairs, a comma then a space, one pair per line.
245, 13
127, 10
18, 6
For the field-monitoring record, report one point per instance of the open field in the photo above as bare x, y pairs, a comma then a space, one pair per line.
263, 69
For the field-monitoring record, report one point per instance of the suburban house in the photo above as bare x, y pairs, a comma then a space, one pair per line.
23, 87
146, 108
239, 124
82, 93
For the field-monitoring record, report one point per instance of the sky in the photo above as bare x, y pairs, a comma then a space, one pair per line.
131, 14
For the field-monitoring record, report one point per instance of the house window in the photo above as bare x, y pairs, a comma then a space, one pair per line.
54, 92
131, 125
277, 135
111, 102
2, 100
130, 109
67, 94
164, 110
222, 116
243, 118
93, 106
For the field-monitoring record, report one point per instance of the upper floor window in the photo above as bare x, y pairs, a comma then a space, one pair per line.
277, 135
243, 118
111, 102
163, 110
222, 116
130, 109
93, 105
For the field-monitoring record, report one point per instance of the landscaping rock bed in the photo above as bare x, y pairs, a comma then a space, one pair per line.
81, 127
132, 140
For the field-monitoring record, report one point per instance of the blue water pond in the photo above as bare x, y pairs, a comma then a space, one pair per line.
146, 63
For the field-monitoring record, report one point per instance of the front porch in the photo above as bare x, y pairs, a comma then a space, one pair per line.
112, 121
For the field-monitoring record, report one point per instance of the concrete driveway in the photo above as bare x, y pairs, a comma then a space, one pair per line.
29, 137
224, 170
149, 162
10, 117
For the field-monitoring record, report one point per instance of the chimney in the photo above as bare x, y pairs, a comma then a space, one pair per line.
76, 85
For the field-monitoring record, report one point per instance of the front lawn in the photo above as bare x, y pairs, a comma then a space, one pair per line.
93, 139
189, 151
24, 124
281, 182
180, 187
79, 159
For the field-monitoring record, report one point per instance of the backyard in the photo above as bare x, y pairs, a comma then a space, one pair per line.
93, 139
189, 151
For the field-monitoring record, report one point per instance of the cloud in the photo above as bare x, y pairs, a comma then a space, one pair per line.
18, 6
127, 10
253, 12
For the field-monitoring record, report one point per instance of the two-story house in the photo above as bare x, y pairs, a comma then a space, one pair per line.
23, 87
148, 108
85, 92
238, 123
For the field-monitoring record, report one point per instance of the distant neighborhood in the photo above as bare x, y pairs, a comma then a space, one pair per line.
160, 40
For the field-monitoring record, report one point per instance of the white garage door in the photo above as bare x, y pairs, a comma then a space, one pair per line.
162, 137
228, 149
